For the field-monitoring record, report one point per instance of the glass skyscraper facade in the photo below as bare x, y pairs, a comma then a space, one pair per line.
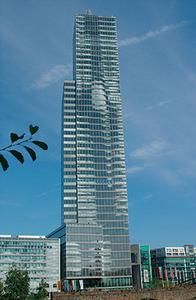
95, 233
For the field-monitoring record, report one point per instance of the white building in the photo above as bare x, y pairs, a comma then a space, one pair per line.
37, 255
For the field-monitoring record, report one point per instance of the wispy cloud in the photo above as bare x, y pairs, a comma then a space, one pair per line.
158, 104
151, 34
147, 197
52, 76
150, 151
54, 188
9, 203
172, 177
138, 168
135, 169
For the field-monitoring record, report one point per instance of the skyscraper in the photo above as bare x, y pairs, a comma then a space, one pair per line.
94, 232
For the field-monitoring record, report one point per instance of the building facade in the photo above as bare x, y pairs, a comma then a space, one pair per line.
174, 264
36, 254
141, 266
94, 188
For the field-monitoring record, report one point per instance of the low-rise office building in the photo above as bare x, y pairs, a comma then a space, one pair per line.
141, 266
38, 255
174, 264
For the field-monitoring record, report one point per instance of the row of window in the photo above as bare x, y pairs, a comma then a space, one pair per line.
91, 120
97, 134
95, 145
69, 83
69, 95
95, 67
90, 18
95, 181
23, 258
94, 30
98, 48
95, 153
81, 109
93, 114
102, 195
99, 126
74, 203
20, 244
82, 103
95, 139
110, 49
86, 105
67, 90
95, 22
97, 160
68, 101
96, 173
95, 74
94, 185
22, 250
95, 58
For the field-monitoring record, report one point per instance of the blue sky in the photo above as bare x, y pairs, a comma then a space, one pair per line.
158, 85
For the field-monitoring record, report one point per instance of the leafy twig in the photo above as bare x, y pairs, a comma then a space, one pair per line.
15, 142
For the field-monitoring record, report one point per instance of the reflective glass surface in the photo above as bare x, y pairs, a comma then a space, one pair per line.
94, 175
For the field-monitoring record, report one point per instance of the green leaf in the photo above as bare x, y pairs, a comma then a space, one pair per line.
17, 155
4, 162
21, 136
31, 152
42, 145
14, 137
33, 129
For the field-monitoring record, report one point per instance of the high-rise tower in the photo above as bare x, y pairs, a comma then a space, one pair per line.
94, 232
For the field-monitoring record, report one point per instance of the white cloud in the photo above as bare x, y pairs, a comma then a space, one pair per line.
157, 105
150, 151
151, 34
138, 168
135, 169
172, 177
53, 75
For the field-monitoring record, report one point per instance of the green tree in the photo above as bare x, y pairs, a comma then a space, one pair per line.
16, 285
41, 292
18, 143
1, 290
160, 283
157, 283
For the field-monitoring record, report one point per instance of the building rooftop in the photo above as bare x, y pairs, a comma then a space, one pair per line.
23, 236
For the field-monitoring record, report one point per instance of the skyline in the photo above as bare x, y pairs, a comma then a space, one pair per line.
157, 88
